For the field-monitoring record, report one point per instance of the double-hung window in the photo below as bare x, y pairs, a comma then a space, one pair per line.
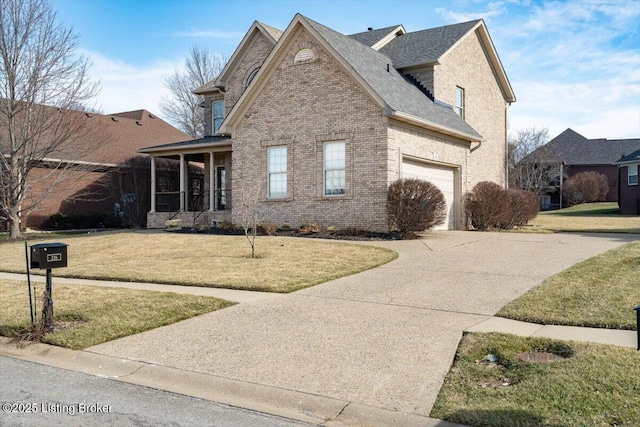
459, 107
218, 114
334, 168
277, 171
632, 174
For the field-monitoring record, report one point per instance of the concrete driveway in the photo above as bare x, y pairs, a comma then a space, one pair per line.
383, 338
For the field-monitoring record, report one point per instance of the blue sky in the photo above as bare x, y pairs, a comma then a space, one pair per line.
571, 63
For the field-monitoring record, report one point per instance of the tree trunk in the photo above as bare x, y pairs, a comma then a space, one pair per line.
14, 224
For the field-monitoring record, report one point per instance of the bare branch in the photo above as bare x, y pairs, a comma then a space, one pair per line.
182, 107
41, 79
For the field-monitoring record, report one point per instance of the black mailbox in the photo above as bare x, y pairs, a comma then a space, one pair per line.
48, 255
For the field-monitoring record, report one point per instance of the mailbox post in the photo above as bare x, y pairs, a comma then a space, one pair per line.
48, 256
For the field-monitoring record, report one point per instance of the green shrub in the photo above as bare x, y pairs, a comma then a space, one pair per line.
61, 221
414, 205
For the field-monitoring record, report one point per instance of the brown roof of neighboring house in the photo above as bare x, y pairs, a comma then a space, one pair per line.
106, 138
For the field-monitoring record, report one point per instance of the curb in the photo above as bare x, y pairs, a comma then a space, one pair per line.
300, 406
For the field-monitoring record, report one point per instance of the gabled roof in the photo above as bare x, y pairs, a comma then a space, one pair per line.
396, 96
426, 46
574, 149
272, 34
630, 159
372, 38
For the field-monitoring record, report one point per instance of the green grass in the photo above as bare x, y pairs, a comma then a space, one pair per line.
282, 264
95, 315
599, 292
588, 217
598, 386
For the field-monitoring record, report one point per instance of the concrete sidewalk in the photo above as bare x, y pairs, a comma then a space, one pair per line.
616, 337
227, 294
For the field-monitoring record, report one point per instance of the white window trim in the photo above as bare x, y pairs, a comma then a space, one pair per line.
213, 115
629, 175
459, 109
269, 173
325, 169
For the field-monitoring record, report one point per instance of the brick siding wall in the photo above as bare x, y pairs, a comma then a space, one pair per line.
302, 106
467, 67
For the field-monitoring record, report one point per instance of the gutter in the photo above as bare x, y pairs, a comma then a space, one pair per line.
408, 118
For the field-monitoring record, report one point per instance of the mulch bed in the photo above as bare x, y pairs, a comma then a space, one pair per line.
346, 234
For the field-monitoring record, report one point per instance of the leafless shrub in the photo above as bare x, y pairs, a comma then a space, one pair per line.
524, 207
488, 206
414, 205
585, 187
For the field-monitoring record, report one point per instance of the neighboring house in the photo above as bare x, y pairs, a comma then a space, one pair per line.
115, 139
629, 190
313, 125
579, 154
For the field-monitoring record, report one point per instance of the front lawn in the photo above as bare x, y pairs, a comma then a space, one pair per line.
90, 315
598, 385
588, 217
282, 264
599, 292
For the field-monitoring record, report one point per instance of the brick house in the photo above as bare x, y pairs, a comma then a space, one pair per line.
579, 154
315, 124
629, 189
73, 177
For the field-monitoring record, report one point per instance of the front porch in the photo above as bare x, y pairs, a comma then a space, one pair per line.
191, 184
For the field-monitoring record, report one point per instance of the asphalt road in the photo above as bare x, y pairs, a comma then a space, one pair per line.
38, 395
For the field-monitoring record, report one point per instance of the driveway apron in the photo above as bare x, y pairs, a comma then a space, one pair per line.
384, 337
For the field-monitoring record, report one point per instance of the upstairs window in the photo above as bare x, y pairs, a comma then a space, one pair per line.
218, 115
277, 171
632, 174
334, 168
459, 107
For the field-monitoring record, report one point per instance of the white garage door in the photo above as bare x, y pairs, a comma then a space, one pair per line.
441, 177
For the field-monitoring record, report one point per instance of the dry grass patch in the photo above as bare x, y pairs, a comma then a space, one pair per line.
599, 292
588, 217
282, 264
90, 315
598, 385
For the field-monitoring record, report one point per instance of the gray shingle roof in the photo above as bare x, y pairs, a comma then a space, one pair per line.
426, 46
575, 149
207, 140
633, 157
274, 32
374, 36
399, 94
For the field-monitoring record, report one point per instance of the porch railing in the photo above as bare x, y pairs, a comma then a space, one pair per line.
169, 201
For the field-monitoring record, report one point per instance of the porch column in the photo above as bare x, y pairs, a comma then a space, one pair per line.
182, 183
153, 184
212, 175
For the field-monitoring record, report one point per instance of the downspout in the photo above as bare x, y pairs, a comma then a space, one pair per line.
561, 180
506, 146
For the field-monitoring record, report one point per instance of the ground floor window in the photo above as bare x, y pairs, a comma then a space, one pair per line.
633, 174
334, 165
277, 172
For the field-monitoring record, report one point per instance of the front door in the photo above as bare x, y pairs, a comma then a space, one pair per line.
221, 185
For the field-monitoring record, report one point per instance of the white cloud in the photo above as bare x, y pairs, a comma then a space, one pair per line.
126, 87
571, 64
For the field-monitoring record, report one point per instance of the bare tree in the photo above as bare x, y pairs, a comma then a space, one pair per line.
41, 79
533, 166
249, 203
182, 107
